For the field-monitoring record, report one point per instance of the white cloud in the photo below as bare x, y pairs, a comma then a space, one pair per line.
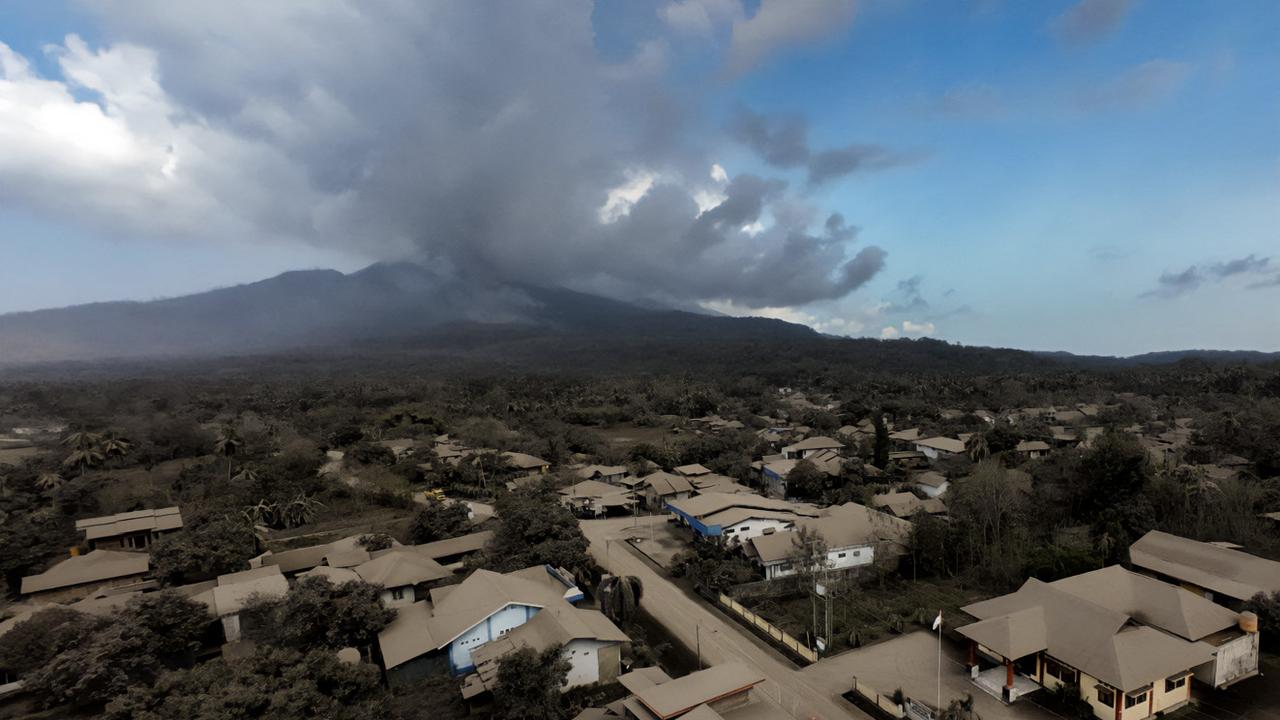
699, 17
889, 332
718, 174
912, 328
620, 199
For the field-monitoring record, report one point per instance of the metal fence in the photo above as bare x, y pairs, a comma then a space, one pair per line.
775, 633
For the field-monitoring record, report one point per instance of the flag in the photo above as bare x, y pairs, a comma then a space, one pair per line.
937, 623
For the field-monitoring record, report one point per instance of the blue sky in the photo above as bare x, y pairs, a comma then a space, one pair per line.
1098, 176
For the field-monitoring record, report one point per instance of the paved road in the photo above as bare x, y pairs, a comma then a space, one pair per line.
721, 640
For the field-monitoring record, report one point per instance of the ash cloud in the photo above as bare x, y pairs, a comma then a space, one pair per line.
782, 140
477, 139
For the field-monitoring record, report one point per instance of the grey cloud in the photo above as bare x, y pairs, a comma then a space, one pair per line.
421, 141
1089, 20
907, 297
1172, 284
782, 140
1273, 281
779, 23
1249, 264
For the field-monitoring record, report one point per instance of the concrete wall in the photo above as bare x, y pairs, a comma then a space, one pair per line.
584, 661
1167, 700
1237, 659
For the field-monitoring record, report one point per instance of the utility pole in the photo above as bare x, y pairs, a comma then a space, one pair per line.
697, 634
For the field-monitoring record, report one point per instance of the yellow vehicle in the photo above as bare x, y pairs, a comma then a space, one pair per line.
436, 494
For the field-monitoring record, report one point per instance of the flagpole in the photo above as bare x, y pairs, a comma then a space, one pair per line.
939, 663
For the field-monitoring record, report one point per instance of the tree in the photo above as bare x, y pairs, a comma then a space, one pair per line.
115, 445
216, 546
439, 521
535, 529
806, 481
176, 623
880, 453
528, 686
49, 480
712, 567
46, 634
619, 597
1267, 608
272, 683
808, 554
319, 614
227, 445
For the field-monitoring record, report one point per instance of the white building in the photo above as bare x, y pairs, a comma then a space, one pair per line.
853, 534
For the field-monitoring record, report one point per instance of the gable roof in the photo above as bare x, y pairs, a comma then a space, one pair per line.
847, 525
96, 566
235, 590
1150, 601
932, 478
691, 470
399, 567
96, 528
909, 434
1031, 446
589, 472
664, 483
817, 442
555, 625
454, 546
524, 461
1228, 572
706, 504
453, 609
1086, 632
904, 504
945, 444
676, 697
592, 489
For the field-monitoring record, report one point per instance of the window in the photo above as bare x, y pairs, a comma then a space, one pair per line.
1106, 696
397, 594
1137, 699
1171, 684
842, 555
728, 531
1053, 668
857, 553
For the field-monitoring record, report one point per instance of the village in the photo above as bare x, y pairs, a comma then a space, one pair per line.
812, 578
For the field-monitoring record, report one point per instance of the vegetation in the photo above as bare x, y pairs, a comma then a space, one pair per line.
619, 597
439, 521
320, 614
535, 529
529, 683
208, 548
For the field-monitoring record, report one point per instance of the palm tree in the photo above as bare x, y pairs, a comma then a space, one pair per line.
115, 445
246, 476
620, 597
49, 480
81, 459
82, 440
227, 445
978, 448
300, 510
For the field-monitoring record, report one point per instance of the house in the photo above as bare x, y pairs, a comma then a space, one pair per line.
526, 462
612, 474
1129, 643
452, 552
1225, 576
723, 692
233, 592
400, 571
908, 459
401, 448
853, 534
905, 504
931, 483
693, 470
594, 498
589, 641
129, 530
905, 438
346, 552
740, 517
442, 630
79, 576
718, 483
1032, 449
774, 470
940, 447
661, 487
809, 446
1069, 417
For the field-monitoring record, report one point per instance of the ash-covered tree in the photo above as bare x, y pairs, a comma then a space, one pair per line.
107, 657
620, 597
536, 529
529, 683
46, 634
882, 445
272, 683
806, 481
320, 614
712, 566
439, 521
211, 547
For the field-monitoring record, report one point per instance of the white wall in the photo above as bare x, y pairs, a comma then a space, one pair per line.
933, 492
853, 556
754, 527
584, 661
497, 624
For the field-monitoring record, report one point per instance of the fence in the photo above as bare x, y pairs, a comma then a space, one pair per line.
775, 633
870, 697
